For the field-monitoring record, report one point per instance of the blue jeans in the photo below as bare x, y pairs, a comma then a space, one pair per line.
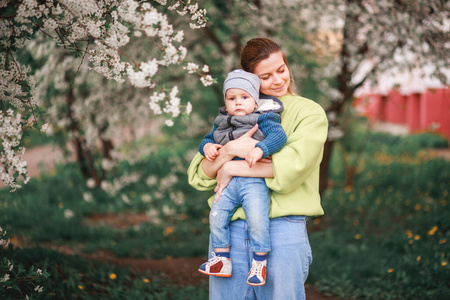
253, 195
287, 264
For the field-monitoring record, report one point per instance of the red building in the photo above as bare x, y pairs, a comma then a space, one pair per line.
424, 111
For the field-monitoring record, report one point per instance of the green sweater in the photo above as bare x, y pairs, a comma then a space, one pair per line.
295, 186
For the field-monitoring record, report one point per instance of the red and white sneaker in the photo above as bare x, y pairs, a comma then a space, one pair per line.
217, 266
257, 274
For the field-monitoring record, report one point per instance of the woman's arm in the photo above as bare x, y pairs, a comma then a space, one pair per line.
202, 173
239, 147
240, 168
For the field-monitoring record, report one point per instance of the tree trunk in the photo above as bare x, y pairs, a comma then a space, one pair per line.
84, 158
324, 166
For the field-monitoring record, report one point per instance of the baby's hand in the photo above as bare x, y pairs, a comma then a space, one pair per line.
211, 151
253, 156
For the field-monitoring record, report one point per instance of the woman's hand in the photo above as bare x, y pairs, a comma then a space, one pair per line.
223, 178
241, 146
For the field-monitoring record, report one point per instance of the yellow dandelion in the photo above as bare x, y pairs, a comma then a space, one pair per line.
417, 206
146, 280
444, 263
419, 258
168, 230
316, 221
390, 270
357, 236
432, 230
443, 241
112, 276
348, 188
80, 287
168, 257
409, 233
13, 239
205, 220
417, 237
60, 205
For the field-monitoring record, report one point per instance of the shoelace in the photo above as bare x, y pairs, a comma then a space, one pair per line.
256, 269
214, 258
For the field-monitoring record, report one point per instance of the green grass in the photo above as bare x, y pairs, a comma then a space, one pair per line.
385, 237
73, 277
40, 210
388, 235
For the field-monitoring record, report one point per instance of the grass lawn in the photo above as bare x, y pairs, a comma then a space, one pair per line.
385, 236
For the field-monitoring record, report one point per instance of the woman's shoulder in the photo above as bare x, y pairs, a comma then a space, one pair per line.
299, 103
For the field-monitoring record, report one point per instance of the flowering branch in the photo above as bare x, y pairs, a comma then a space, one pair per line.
107, 25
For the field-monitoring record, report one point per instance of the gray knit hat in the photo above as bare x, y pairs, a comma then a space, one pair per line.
240, 79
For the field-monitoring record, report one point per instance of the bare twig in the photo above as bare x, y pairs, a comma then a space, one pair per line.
82, 59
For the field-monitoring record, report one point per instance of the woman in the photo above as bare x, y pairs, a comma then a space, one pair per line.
292, 176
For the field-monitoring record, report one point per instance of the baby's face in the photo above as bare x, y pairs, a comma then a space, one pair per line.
239, 103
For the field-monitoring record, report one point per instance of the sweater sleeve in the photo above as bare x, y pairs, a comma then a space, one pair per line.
275, 137
197, 178
209, 138
301, 155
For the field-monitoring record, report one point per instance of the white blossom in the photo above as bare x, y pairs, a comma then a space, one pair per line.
88, 197
38, 289
90, 183
191, 67
69, 214
207, 80
44, 127
188, 108
4, 242
125, 199
11, 152
335, 133
5, 278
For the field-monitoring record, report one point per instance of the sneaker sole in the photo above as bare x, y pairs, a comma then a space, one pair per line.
214, 274
255, 284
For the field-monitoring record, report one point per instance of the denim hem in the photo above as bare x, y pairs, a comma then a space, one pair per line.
260, 249
222, 246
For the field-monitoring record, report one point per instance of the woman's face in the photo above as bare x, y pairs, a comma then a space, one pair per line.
274, 75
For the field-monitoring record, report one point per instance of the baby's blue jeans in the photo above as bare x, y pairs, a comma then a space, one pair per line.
253, 195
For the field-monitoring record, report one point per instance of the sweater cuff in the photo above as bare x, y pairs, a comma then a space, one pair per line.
263, 148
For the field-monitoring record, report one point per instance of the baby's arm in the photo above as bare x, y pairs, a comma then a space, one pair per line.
253, 156
211, 151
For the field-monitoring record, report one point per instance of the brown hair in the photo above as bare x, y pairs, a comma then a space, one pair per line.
259, 49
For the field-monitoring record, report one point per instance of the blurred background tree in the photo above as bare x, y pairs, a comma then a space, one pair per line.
333, 47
